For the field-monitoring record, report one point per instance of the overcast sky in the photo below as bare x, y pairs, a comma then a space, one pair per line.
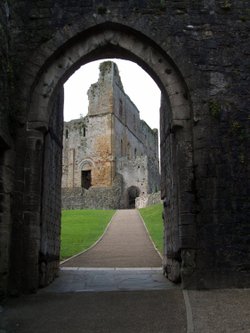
137, 84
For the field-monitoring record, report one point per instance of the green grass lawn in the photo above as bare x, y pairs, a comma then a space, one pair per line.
81, 228
152, 217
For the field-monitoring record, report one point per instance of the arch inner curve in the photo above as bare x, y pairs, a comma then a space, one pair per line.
45, 113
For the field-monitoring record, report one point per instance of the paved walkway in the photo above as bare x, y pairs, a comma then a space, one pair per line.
125, 244
80, 279
96, 312
124, 300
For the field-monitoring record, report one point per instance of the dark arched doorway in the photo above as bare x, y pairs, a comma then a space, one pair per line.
133, 193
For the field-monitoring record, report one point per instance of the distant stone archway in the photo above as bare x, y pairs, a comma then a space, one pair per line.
45, 116
86, 164
133, 193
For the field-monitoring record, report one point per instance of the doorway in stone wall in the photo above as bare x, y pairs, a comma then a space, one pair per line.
86, 179
106, 40
133, 193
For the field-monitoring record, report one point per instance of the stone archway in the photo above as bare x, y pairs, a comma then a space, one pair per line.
133, 192
108, 40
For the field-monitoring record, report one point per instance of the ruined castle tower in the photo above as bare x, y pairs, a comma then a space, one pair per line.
111, 155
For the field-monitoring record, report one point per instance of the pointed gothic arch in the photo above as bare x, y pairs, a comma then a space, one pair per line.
100, 41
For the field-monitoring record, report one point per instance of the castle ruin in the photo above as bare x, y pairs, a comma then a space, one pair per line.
110, 157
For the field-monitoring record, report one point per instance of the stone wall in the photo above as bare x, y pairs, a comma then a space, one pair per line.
6, 76
95, 197
88, 147
148, 200
197, 52
6, 143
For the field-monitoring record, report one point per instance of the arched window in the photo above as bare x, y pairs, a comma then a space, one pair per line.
67, 134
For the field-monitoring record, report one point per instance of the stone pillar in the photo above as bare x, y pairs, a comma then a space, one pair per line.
178, 194
32, 209
169, 193
37, 203
49, 251
6, 187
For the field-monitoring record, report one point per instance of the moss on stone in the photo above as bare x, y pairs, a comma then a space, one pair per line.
235, 127
215, 109
226, 4
238, 131
101, 10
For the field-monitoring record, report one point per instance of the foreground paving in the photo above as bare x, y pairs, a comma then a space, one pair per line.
109, 279
219, 311
124, 300
142, 311
97, 312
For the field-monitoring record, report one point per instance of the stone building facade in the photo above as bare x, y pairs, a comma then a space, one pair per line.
198, 54
110, 150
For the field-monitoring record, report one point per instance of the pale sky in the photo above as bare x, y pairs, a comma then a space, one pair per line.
137, 84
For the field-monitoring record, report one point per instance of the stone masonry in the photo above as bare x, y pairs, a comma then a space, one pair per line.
198, 54
111, 142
